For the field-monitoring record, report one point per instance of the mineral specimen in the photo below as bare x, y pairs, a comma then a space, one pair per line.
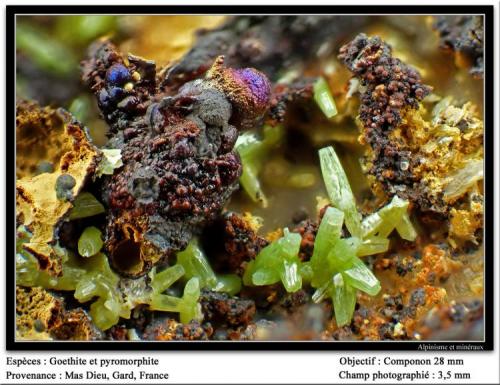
179, 168
390, 88
272, 45
436, 164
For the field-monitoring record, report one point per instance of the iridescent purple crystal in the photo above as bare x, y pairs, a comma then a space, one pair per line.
257, 83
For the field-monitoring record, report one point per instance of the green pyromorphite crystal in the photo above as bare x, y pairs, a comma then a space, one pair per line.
276, 262
49, 54
324, 99
253, 152
328, 234
92, 277
87, 277
339, 190
390, 217
344, 299
195, 263
90, 242
188, 307
228, 283
85, 205
337, 270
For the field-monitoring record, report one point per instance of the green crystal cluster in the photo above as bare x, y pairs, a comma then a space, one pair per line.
92, 278
380, 224
335, 269
277, 262
187, 306
195, 264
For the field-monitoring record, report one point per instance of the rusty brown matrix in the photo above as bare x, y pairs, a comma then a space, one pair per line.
388, 88
179, 166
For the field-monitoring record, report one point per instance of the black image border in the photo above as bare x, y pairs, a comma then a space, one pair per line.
437, 346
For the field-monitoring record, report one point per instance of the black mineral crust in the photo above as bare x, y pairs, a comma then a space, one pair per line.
464, 35
271, 44
179, 167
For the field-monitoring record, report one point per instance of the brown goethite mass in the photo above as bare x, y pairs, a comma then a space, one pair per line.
270, 44
179, 166
434, 163
391, 87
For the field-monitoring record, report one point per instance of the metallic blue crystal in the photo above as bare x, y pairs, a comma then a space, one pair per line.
117, 74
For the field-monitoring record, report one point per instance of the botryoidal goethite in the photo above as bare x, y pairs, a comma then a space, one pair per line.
179, 166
